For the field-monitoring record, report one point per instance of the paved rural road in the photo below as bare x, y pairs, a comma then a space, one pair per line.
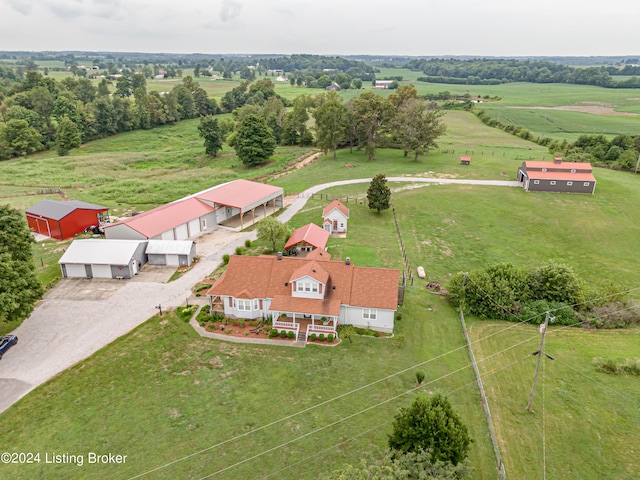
78, 317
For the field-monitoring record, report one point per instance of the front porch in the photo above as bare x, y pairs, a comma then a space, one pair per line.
303, 326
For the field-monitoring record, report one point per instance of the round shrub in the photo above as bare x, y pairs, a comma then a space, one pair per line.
225, 258
291, 334
321, 337
247, 243
273, 333
313, 337
238, 250
283, 333
330, 338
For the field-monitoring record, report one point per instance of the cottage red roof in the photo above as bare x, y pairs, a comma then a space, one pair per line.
311, 234
268, 277
333, 205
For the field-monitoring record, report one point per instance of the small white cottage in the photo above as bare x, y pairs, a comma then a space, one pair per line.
335, 216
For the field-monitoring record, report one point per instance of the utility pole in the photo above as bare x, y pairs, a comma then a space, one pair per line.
540, 353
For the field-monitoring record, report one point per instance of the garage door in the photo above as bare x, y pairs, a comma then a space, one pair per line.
173, 260
181, 232
194, 227
168, 235
101, 271
75, 270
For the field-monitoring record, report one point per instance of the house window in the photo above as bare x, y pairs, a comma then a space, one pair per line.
569, 184
544, 169
552, 182
536, 182
307, 287
369, 313
573, 170
586, 184
243, 305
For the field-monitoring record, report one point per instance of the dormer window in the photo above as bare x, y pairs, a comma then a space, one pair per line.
307, 287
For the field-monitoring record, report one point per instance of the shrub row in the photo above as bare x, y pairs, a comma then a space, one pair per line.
617, 367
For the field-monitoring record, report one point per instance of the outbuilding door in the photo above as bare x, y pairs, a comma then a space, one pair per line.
74, 270
173, 260
101, 271
182, 233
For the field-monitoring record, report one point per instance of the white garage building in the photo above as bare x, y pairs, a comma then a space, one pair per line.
175, 253
190, 216
96, 258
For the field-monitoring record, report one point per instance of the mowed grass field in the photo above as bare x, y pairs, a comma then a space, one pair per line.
162, 393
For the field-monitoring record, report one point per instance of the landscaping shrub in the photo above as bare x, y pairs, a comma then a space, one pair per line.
291, 335
204, 314
241, 322
273, 333
419, 378
225, 258
228, 330
330, 338
613, 315
238, 250
247, 243
321, 337
283, 333
185, 313
313, 337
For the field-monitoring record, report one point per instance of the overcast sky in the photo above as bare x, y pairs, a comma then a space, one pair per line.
390, 27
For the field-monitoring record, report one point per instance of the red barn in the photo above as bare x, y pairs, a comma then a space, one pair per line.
63, 219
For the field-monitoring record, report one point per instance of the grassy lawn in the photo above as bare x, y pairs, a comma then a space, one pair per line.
585, 423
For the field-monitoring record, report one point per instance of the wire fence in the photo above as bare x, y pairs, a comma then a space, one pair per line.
502, 474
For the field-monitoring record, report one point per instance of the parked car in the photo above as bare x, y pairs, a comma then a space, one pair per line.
6, 342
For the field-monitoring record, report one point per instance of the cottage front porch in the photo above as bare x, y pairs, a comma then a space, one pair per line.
303, 326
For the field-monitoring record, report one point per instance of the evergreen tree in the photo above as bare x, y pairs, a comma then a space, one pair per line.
212, 133
67, 136
253, 141
19, 287
378, 193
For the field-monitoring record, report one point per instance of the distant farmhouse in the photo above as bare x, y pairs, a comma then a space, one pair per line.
557, 176
383, 83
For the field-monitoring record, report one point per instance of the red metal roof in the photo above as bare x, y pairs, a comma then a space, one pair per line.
165, 217
562, 176
311, 233
336, 204
238, 193
563, 165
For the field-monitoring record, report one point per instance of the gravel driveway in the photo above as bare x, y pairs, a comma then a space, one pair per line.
79, 316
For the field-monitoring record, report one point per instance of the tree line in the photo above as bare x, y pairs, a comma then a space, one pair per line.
41, 113
403, 120
493, 71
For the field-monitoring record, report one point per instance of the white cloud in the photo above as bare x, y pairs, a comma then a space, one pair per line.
230, 10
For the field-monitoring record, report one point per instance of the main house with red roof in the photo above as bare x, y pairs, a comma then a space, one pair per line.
188, 217
557, 176
307, 295
335, 217
308, 238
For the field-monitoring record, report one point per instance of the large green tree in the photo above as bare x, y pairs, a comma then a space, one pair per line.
67, 136
431, 424
378, 193
332, 121
18, 138
371, 116
416, 126
253, 141
19, 287
271, 230
212, 133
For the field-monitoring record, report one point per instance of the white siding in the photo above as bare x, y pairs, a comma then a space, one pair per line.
101, 271
194, 227
173, 260
75, 270
168, 235
181, 232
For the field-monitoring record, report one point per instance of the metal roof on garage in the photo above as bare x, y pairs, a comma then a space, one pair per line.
165, 217
169, 247
58, 209
101, 251
242, 194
